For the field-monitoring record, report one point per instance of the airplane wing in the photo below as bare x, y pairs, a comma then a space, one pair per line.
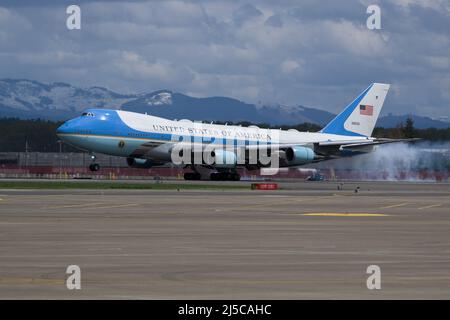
327, 150
338, 149
357, 143
324, 150
331, 147
144, 149
334, 143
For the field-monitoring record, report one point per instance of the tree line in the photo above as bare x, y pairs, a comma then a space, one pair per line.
17, 135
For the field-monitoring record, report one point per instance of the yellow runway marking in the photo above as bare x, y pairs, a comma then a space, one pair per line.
343, 214
395, 205
430, 206
38, 281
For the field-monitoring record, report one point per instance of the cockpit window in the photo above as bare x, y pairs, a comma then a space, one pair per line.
87, 114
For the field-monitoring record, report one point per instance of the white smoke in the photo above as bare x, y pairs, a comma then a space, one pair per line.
423, 161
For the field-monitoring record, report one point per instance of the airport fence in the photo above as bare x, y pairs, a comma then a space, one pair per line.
54, 165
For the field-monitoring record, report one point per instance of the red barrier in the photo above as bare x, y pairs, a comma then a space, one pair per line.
264, 186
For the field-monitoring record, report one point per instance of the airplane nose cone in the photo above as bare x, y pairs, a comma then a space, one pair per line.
65, 128
61, 129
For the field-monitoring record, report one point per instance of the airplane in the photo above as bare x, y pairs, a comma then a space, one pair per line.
148, 141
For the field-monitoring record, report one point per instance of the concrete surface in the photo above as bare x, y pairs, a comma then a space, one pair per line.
309, 241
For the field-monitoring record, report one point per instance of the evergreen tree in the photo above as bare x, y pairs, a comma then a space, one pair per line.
408, 129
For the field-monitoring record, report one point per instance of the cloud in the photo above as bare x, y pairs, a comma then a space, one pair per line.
289, 52
289, 66
245, 14
133, 66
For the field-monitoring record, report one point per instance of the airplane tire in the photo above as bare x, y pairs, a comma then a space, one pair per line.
225, 176
235, 176
215, 176
192, 176
94, 167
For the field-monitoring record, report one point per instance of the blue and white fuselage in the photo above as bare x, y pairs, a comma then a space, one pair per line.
148, 140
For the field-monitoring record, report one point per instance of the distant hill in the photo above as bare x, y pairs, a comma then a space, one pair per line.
56, 101
171, 105
391, 121
28, 99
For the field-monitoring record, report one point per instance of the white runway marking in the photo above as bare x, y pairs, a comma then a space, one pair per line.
431, 206
395, 205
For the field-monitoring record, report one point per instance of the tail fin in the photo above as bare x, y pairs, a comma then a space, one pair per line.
360, 116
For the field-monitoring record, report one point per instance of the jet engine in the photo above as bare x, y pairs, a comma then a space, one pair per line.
141, 163
298, 155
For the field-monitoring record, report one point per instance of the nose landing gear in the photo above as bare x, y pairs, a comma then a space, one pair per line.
94, 166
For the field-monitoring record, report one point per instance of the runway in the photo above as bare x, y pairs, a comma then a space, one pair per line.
307, 241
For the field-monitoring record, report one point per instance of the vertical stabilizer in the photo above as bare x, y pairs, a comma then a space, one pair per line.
360, 116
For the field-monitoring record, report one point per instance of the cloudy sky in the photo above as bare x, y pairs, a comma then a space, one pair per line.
313, 53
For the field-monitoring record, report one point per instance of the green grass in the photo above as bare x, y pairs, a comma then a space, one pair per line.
113, 185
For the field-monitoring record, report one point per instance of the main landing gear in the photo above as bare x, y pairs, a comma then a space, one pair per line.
214, 176
225, 176
192, 176
94, 166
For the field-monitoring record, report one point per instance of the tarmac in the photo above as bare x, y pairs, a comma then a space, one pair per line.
307, 241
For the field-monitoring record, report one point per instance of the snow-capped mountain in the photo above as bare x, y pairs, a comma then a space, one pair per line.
59, 101
160, 99
31, 99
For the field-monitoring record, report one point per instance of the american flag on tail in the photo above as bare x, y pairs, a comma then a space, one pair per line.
366, 110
